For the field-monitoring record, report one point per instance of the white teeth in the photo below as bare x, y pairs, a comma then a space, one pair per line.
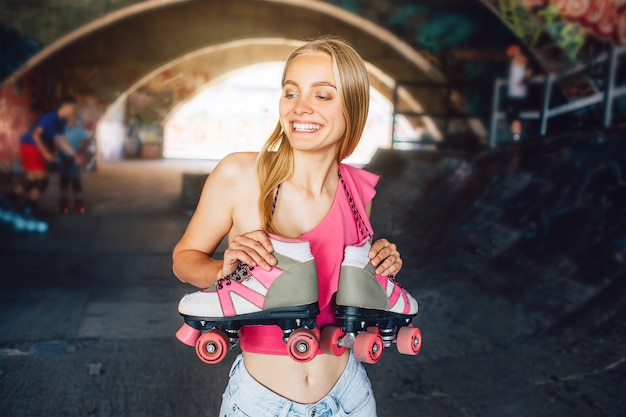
302, 127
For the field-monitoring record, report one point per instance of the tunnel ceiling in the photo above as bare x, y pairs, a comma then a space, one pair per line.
555, 32
139, 40
110, 55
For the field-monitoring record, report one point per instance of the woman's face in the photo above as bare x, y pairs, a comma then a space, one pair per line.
310, 108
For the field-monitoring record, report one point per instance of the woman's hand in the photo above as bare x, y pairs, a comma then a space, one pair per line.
252, 248
385, 257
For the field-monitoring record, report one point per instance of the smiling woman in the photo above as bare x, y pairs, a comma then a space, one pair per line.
305, 243
219, 120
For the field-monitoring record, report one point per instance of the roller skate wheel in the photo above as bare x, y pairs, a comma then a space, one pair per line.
409, 340
302, 345
212, 346
368, 347
329, 341
19, 222
31, 225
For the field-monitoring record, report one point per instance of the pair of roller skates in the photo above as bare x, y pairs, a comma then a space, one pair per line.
64, 206
373, 311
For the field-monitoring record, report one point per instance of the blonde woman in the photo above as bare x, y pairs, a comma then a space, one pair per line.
291, 205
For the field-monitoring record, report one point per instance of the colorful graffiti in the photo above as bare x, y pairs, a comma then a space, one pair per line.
604, 19
564, 31
15, 118
147, 106
151, 102
22, 103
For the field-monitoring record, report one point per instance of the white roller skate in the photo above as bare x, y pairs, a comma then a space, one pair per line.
373, 310
286, 296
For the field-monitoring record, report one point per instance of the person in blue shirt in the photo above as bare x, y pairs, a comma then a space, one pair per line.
37, 148
69, 170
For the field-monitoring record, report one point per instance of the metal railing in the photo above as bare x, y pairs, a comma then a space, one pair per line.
450, 111
606, 98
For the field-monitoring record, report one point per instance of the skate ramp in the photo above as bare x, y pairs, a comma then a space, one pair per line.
529, 238
518, 259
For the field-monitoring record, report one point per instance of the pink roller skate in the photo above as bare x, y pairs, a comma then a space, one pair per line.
286, 296
374, 311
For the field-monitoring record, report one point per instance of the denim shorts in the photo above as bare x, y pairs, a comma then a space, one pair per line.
351, 396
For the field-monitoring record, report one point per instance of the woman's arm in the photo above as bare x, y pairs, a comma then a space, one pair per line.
192, 255
212, 220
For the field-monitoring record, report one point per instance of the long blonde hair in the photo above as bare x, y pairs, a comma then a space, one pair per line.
275, 161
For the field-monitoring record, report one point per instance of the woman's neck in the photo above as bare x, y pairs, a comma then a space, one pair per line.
314, 174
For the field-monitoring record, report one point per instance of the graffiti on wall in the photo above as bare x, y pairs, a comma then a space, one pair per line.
562, 31
604, 19
149, 105
22, 103
152, 101
15, 119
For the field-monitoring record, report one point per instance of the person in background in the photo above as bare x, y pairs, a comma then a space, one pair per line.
69, 170
517, 88
37, 148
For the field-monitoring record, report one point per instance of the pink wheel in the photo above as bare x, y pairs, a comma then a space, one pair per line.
302, 345
329, 342
316, 331
368, 347
409, 340
212, 346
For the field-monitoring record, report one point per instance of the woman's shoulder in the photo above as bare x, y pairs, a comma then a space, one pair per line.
236, 166
359, 175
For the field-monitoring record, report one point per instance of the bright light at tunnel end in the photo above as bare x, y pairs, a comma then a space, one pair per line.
239, 111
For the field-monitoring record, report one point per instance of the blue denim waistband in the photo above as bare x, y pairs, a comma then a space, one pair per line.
263, 397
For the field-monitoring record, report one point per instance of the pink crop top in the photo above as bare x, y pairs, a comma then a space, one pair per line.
340, 224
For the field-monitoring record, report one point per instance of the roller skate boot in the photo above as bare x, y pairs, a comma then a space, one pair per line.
64, 206
285, 296
374, 311
79, 206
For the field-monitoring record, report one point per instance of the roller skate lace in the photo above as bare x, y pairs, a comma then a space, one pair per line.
241, 273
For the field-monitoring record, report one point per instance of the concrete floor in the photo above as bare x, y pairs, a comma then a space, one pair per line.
88, 316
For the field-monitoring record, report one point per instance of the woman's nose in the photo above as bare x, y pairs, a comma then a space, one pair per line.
303, 105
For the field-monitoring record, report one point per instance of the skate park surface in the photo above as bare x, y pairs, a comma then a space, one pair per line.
517, 257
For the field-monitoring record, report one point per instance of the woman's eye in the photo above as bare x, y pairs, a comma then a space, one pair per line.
324, 97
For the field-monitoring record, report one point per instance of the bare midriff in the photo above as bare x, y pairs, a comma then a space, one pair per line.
304, 383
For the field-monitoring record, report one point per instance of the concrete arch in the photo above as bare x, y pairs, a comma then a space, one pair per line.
184, 76
118, 22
